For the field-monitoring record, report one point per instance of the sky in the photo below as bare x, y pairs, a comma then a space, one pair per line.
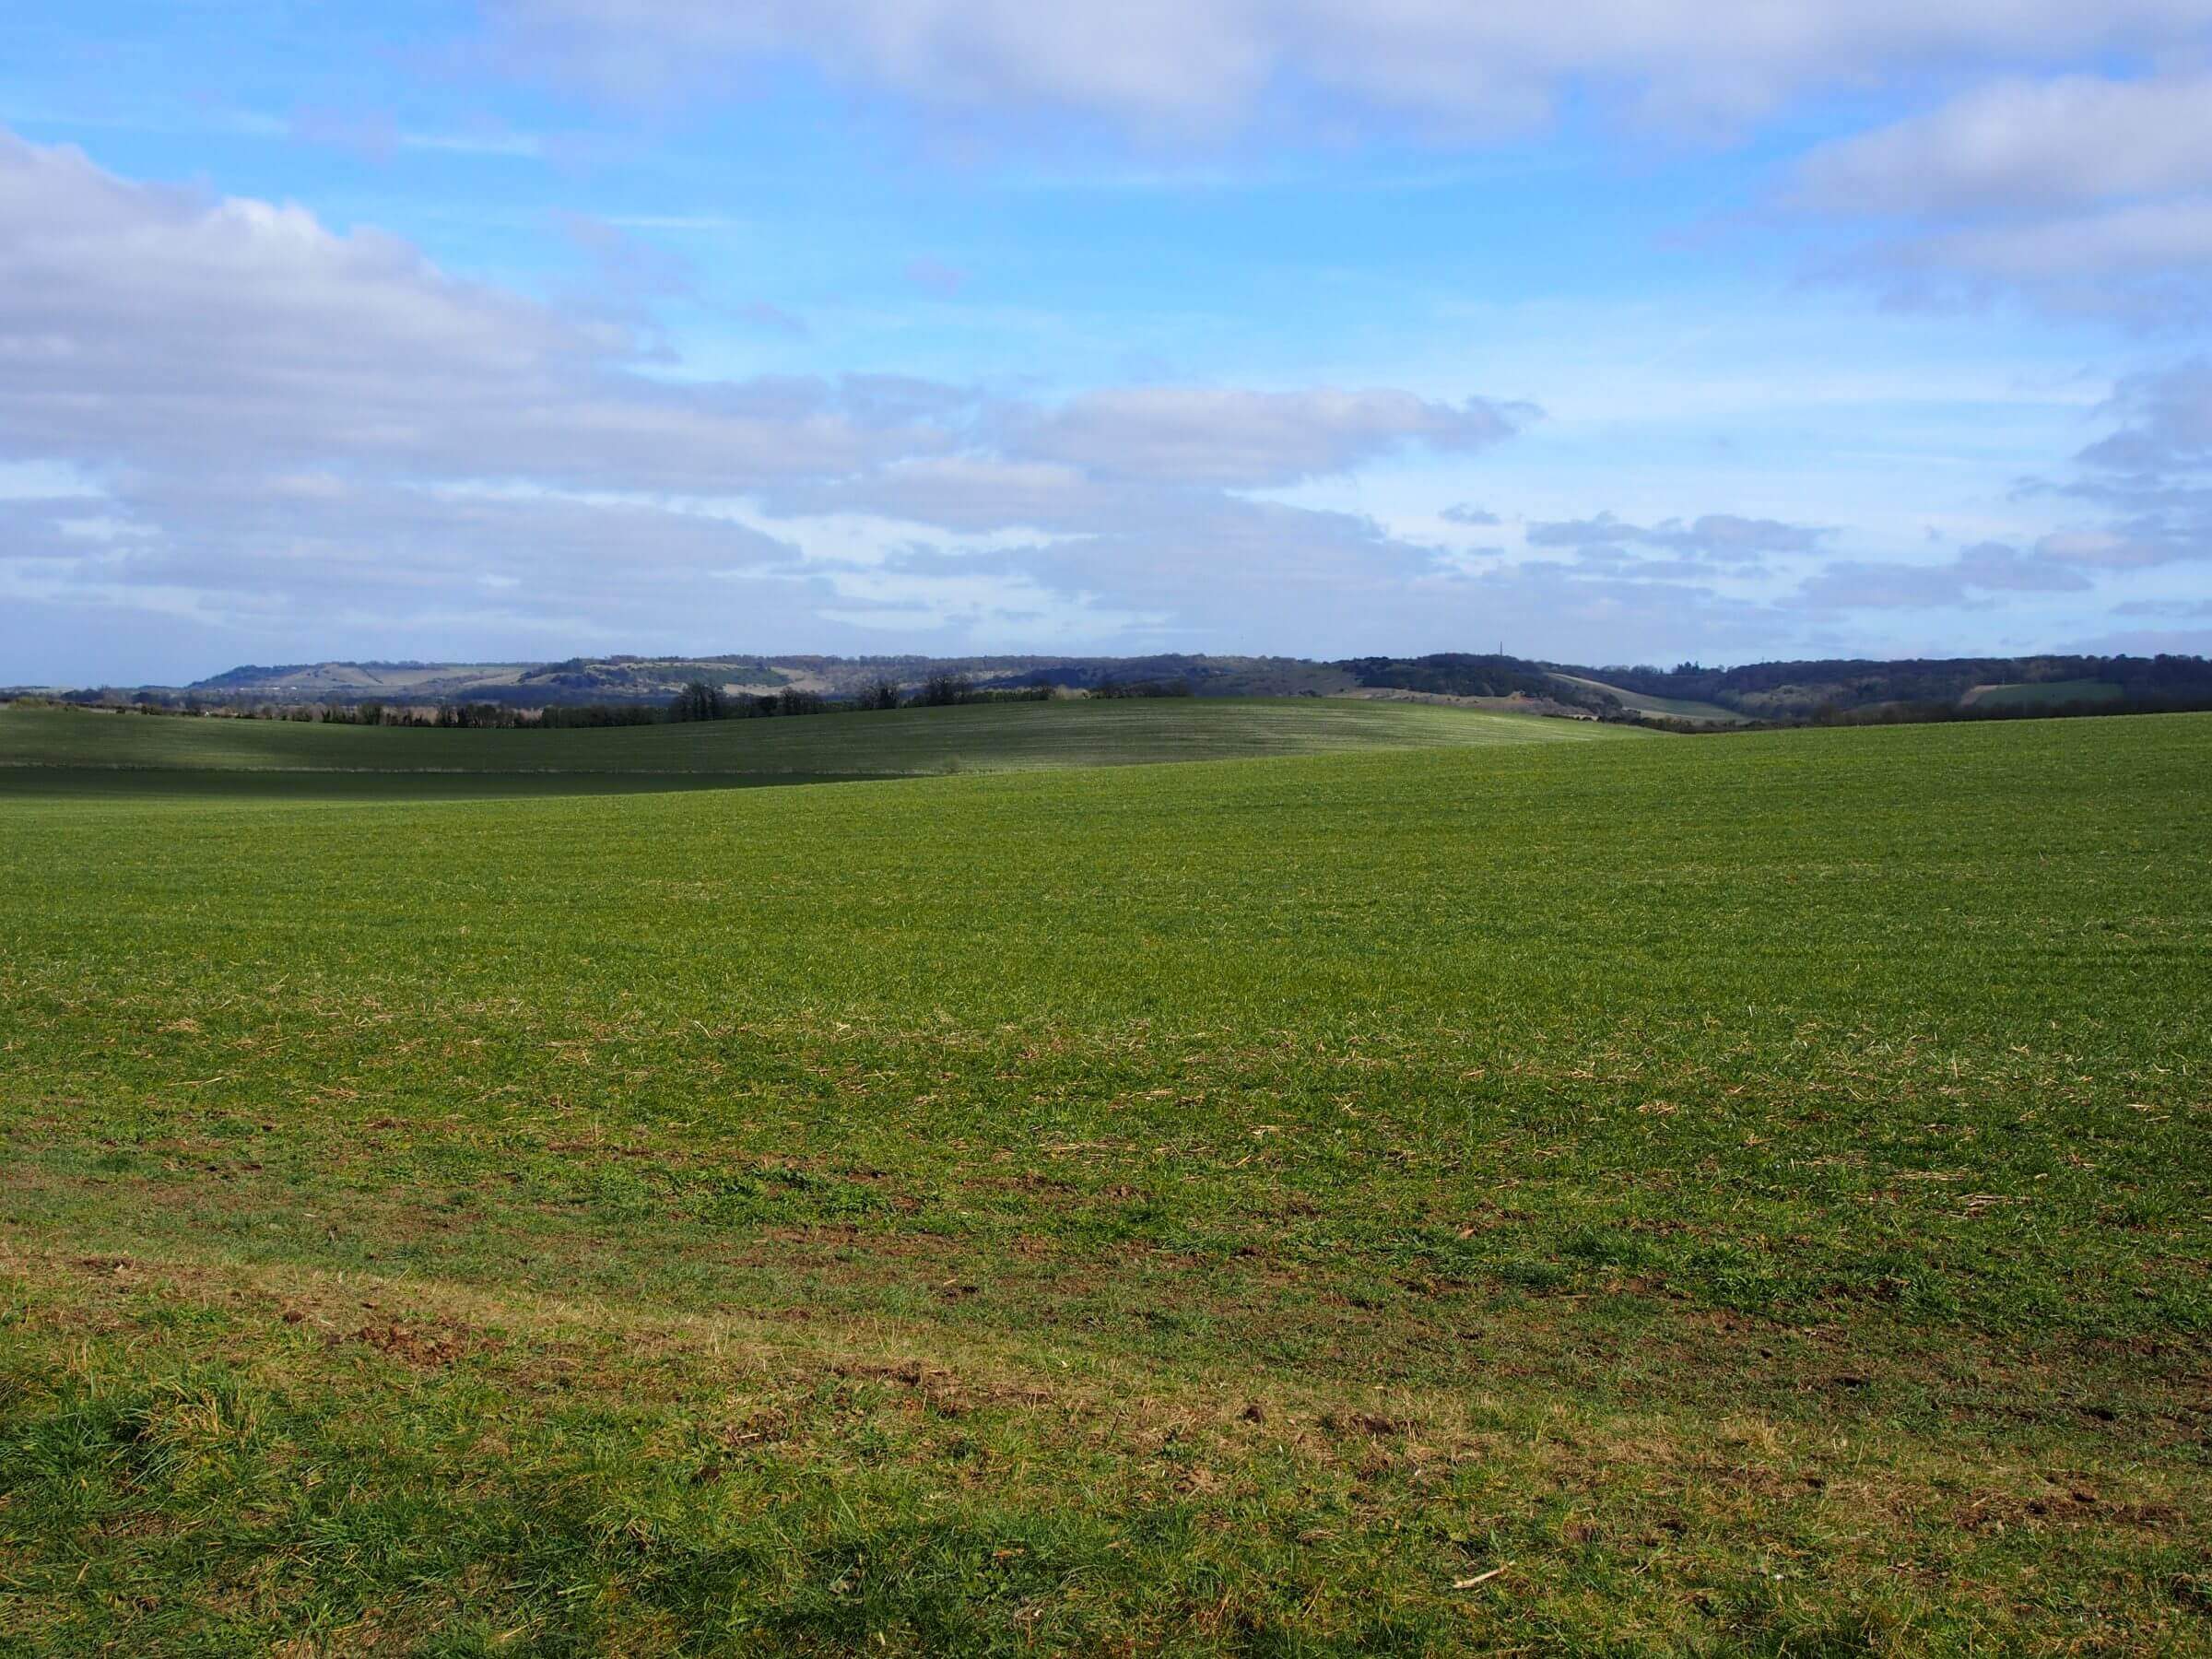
1631, 331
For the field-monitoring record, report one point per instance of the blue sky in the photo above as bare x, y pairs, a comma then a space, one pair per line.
1624, 332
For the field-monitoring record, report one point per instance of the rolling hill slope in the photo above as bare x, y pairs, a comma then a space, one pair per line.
1732, 1197
974, 737
1672, 707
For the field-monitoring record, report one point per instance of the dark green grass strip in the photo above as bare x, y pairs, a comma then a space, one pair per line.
979, 737
27, 786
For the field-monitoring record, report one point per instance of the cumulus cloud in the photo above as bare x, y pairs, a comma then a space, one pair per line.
2086, 193
147, 324
2117, 241
2014, 145
2165, 421
1726, 535
1237, 439
972, 493
2166, 610
1605, 530
232, 414
2150, 478
1995, 567
315, 552
2143, 264
1979, 570
1148, 457
228, 410
2127, 547
2152, 474
1722, 537
1207, 65
1240, 574
158, 327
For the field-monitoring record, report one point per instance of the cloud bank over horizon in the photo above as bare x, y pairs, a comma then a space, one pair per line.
906, 324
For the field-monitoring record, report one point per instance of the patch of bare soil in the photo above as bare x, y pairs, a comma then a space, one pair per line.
428, 1345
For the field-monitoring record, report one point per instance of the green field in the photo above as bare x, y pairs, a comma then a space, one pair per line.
2043, 694
1674, 708
1746, 1194
977, 737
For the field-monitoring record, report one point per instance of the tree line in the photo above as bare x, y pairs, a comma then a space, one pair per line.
700, 700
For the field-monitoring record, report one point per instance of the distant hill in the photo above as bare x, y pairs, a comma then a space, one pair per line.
656, 679
1852, 689
1650, 704
577, 681
1688, 694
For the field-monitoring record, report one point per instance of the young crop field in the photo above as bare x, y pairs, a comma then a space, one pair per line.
1009, 736
1746, 1193
2045, 694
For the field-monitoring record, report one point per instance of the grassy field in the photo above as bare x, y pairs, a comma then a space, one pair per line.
1743, 1194
977, 737
2043, 694
174, 787
1677, 708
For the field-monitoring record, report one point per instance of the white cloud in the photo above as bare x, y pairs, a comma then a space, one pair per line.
2152, 475
1237, 439
1989, 567
2165, 421
2085, 193
1209, 64
140, 325
2104, 550
226, 409
965, 493
1722, 537
1243, 575
2144, 264
2117, 241
2016, 146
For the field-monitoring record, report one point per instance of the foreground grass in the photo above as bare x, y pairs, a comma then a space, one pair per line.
1746, 1194
973, 737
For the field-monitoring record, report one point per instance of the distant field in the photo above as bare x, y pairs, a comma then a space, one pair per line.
1679, 707
977, 737
176, 787
1740, 1194
2043, 694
